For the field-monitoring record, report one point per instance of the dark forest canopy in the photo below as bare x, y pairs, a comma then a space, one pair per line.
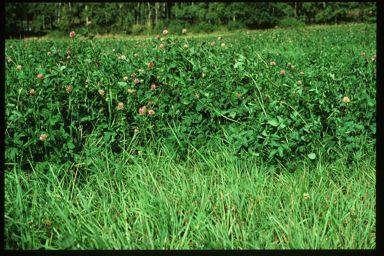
24, 19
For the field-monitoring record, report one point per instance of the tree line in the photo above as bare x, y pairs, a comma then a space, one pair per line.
23, 19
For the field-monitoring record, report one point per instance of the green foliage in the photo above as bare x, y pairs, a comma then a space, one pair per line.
176, 27
290, 22
235, 25
55, 34
203, 92
137, 29
200, 173
204, 27
147, 17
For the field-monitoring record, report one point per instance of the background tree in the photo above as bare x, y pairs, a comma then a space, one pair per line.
90, 18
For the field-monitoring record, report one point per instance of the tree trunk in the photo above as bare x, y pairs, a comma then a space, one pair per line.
58, 13
86, 15
69, 16
168, 5
137, 13
156, 11
142, 14
149, 15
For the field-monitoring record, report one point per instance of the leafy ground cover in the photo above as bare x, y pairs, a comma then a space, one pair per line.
260, 139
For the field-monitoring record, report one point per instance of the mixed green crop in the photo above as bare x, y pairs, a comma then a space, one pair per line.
277, 95
179, 142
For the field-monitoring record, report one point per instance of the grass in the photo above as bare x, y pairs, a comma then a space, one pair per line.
214, 199
190, 34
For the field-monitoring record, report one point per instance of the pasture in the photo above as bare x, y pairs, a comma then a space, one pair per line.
253, 140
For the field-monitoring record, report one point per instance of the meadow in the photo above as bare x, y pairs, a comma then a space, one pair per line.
254, 139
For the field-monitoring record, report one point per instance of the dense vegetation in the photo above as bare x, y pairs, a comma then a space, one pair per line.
261, 139
215, 200
280, 97
137, 18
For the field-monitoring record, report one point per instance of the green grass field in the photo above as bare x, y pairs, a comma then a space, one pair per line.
276, 164
211, 201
